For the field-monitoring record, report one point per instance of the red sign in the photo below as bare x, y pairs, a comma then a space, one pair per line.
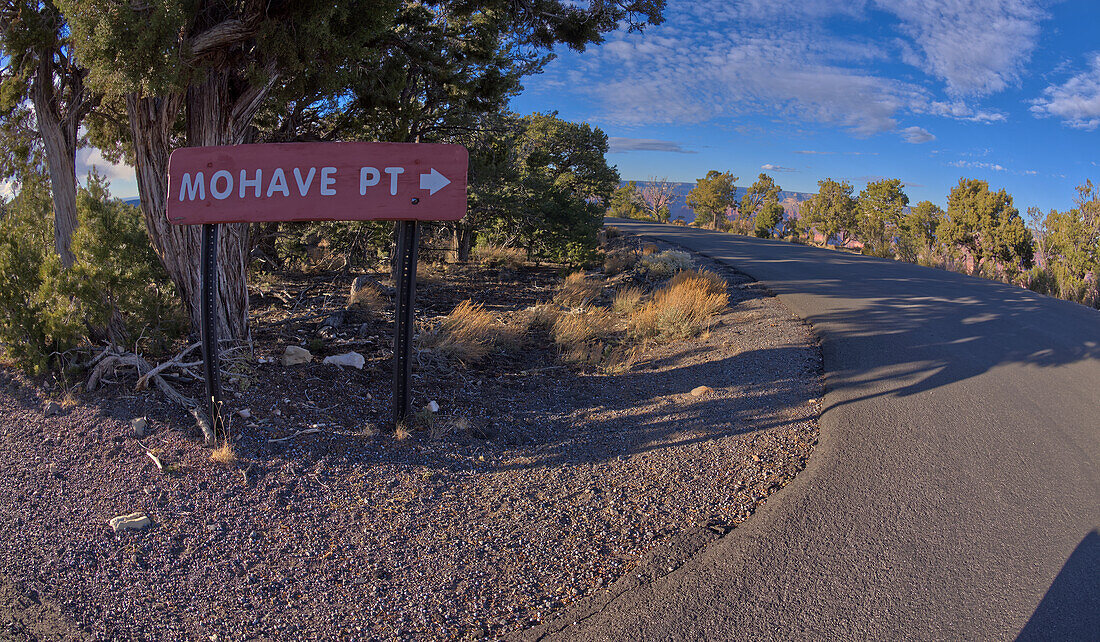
317, 182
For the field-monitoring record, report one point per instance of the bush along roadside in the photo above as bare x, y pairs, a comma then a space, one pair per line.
601, 320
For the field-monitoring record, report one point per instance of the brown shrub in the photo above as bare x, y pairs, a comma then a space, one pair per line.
618, 262
712, 283
626, 300
500, 256
577, 290
650, 248
677, 310
465, 335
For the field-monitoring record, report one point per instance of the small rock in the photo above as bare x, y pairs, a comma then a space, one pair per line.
433, 406
51, 409
133, 521
138, 425
353, 359
245, 413
294, 355
700, 391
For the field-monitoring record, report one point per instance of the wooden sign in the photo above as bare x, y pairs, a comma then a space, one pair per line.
317, 182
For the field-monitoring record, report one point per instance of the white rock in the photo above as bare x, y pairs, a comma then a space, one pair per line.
138, 425
51, 408
353, 359
245, 413
132, 521
433, 406
294, 355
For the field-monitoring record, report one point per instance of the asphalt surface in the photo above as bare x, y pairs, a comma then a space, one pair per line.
955, 492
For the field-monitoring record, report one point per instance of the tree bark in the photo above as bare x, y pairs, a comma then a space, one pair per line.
59, 137
178, 245
219, 111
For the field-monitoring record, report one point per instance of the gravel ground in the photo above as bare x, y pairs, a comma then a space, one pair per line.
532, 491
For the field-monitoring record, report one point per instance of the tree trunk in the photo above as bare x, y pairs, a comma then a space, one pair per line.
59, 138
178, 246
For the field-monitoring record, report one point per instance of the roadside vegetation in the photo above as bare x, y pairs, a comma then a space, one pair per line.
981, 233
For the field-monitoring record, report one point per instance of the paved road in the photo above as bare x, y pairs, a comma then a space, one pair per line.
955, 492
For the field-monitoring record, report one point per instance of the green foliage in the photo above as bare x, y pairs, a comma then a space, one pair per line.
542, 183
986, 226
832, 211
917, 234
762, 192
767, 218
118, 286
113, 291
26, 238
881, 206
1068, 245
711, 198
626, 202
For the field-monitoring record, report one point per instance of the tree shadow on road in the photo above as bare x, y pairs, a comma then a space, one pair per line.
1070, 610
940, 328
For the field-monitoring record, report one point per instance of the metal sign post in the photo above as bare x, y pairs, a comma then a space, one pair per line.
208, 258
403, 182
408, 242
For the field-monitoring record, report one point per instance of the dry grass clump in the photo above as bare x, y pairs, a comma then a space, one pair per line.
465, 335
572, 329
225, 454
711, 282
586, 339
499, 256
626, 300
650, 248
665, 264
577, 290
620, 261
367, 294
542, 315
678, 310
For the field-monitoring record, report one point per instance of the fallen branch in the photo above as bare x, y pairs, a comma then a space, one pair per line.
115, 359
176, 361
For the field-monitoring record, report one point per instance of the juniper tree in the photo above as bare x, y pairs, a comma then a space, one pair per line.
987, 226
762, 191
712, 197
881, 207
832, 211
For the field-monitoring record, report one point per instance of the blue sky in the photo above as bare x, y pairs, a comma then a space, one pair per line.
927, 91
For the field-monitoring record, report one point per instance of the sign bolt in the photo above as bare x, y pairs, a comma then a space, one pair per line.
415, 201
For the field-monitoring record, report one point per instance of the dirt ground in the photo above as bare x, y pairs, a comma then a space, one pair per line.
534, 486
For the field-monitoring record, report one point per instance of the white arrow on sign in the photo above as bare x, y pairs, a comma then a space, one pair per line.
433, 182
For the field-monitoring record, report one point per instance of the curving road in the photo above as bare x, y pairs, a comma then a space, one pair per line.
955, 492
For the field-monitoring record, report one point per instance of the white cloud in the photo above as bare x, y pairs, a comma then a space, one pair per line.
978, 165
714, 59
812, 152
776, 168
618, 144
977, 47
90, 157
1076, 101
916, 135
